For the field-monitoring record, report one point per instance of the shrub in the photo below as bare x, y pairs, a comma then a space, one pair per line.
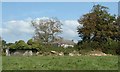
3, 53
111, 47
89, 45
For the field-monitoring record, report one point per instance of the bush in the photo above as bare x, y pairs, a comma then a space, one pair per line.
118, 51
3, 53
89, 45
66, 51
108, 47
111, 47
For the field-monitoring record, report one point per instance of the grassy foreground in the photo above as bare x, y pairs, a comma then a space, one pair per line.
60, 63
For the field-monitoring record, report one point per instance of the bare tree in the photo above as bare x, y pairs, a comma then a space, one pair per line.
46, 29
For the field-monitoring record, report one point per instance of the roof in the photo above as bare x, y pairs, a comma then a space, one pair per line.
70, 42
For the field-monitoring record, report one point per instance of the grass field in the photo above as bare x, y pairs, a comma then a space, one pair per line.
60, 63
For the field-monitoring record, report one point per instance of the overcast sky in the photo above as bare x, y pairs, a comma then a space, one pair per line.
16, 17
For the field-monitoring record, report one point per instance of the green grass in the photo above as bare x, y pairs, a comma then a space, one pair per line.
0, 63
60, 63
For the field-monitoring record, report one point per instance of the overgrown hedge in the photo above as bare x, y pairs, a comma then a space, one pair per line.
58, 49
109, 47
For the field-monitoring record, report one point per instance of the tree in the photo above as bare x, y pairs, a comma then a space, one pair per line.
3, 43
98, 25
30, 42
117, 35
9, 44
46, 29
100, 30
34, 44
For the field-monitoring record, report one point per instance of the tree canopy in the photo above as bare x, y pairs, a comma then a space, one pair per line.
98, 25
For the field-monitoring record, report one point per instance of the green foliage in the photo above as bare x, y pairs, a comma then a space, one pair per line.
3, 44
22, 45
111, 46
3, 53
36, 45
12, 46
108, 47
66, 51
19, 45
89, 45
30, 42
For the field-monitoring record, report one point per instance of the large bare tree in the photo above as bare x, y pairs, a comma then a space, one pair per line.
46, 29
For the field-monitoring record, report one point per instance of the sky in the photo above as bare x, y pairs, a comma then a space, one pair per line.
16, 17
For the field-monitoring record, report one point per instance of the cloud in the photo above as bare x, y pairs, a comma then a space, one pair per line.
21, 29
19, 26
70, 29
3, 30
16, 29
